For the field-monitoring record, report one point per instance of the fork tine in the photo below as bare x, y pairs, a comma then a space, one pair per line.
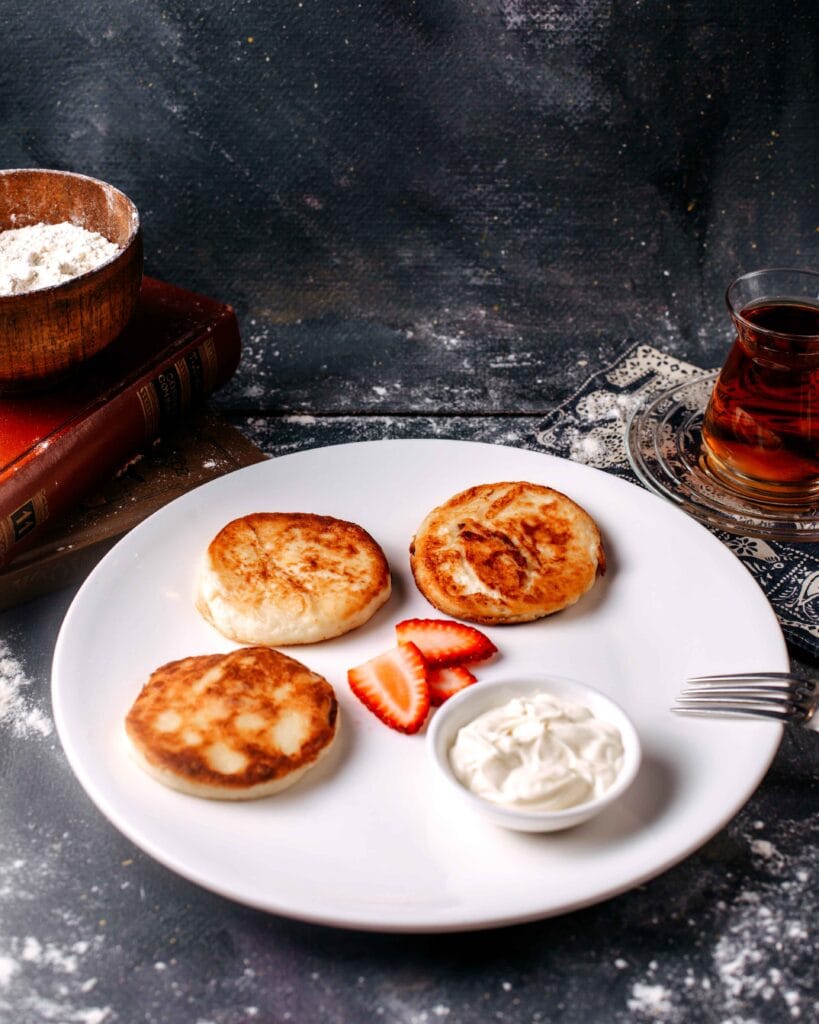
799, 688
763, 698
794, 710
709, 710
756, 679
775, 690
757, 703
744, 676
773, 694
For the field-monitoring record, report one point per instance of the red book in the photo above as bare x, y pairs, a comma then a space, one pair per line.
54, 448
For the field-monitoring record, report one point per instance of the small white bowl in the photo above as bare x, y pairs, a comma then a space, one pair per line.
480, 697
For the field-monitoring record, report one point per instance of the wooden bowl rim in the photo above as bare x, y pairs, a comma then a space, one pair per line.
136, 229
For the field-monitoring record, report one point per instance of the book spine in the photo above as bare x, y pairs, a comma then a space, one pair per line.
62, 470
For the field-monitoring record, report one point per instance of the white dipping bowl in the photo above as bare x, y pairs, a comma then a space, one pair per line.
480, 697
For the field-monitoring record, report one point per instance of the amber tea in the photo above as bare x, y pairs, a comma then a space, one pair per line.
761, 427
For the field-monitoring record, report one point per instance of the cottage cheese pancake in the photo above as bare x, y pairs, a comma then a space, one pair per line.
232, 726
279, 578
506, 552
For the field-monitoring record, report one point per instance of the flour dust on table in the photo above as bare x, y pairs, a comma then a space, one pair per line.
758, 966
49, 968
17, 709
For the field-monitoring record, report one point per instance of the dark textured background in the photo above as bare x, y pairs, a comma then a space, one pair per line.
420, 210
464, 183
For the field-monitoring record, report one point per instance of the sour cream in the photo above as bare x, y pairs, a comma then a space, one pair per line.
537, 753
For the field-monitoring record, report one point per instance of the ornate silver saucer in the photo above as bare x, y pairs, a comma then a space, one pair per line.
663, 446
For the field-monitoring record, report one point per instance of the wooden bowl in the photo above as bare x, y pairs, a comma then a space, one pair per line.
46, 333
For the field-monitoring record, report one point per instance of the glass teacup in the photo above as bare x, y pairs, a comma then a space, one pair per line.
760, 434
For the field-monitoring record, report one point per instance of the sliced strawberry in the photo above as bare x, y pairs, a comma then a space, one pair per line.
394, 687
445, 682
443, 642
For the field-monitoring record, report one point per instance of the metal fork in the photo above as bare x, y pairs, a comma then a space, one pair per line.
777, 695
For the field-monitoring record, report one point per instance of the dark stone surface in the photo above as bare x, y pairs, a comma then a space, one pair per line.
435, 219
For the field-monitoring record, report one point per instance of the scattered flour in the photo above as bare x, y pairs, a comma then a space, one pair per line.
742, 955
43, 981
43, 255
762, 848
8, 968
649, 999
760, 966
15, 708
299, 420
605, 405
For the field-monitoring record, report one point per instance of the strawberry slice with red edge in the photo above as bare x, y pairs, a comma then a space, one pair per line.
446, 682
394, 687
443, 642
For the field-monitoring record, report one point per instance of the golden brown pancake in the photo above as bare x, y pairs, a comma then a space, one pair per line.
232, 726
279, 578
506, 552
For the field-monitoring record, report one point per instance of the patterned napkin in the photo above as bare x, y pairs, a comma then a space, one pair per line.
589, 427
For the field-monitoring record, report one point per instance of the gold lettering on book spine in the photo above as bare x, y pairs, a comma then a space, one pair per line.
183, 374
210, 365
149, 404
174, 390
22, 521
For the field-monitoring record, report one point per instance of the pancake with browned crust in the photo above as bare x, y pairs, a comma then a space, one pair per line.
232, 726
279, 578
506, 552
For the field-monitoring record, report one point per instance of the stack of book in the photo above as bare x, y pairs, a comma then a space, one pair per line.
81, 465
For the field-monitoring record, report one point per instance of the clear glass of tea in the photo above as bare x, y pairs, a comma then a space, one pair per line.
760, 433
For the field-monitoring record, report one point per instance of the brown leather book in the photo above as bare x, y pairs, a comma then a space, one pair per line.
204, 448
55, 447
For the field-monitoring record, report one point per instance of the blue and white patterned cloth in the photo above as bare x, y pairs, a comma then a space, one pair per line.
589, 427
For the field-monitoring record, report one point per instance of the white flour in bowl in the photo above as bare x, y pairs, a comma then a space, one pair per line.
42, 255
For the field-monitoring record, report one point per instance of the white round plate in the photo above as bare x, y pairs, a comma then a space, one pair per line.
370, 839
